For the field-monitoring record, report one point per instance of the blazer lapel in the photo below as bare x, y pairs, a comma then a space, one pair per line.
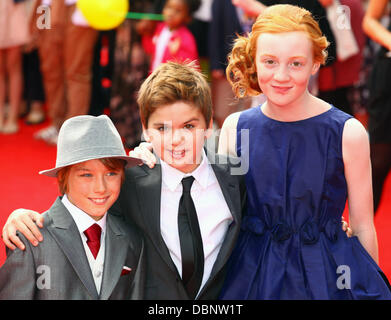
148, 186
65, 232
230, 187
116, 249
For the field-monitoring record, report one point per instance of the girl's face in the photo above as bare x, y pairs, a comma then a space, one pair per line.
284, 64
176, 13
93, 188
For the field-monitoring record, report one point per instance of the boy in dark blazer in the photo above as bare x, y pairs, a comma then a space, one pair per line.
176, 113
85, 254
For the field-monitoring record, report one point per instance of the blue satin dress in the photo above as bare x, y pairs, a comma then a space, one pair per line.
291, 244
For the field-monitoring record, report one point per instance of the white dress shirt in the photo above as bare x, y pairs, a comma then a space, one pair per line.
214, 216
83, 222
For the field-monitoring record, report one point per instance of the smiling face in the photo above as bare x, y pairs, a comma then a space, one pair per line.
176, 13
93, 187
177, 132
284, 66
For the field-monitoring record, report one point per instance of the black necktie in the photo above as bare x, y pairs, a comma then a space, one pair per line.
191, 242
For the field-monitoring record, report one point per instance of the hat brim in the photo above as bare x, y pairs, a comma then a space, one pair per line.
130, 162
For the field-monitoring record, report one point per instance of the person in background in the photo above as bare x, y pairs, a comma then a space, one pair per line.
13, 35
172, 40
344, 73
130, 68
199, 27
102, 72
33, 92
66, 53
227, 21
379, 108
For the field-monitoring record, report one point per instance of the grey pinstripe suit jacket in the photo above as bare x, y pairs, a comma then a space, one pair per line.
58, 269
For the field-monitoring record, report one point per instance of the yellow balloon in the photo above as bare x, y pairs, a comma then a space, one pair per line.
104, 14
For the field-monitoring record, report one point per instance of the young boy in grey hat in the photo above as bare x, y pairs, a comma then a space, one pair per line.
86, 254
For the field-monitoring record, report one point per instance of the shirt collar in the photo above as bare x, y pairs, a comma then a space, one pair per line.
83, 220
173, 177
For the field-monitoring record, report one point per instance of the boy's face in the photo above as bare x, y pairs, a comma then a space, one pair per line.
178, 132
176, 13
93, 188
284, 70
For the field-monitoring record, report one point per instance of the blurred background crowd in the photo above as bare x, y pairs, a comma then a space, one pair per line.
71, 68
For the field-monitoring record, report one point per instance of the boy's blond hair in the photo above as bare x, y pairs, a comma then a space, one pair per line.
172, 82
241, 71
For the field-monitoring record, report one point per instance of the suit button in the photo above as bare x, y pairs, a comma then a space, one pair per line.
97, 273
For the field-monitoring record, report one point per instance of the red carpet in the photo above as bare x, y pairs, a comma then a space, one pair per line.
21, 186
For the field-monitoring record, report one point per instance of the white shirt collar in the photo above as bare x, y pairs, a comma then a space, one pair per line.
173, 177
83, 220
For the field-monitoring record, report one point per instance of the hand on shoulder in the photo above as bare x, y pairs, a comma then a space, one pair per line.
25, 221
144, 152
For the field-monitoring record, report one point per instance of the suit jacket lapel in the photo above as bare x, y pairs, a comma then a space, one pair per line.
148, 186
116, 249
230, 187
65, 232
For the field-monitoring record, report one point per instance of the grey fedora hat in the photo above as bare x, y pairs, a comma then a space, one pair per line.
84, 138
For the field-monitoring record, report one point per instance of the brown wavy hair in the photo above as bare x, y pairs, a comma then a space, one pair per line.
241, 71
172, 82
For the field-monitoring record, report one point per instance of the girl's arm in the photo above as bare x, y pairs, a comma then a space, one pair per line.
371, 25
357, 164
227, 138
250, 7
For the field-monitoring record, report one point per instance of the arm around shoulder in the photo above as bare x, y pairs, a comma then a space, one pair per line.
357, 164
25, 221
